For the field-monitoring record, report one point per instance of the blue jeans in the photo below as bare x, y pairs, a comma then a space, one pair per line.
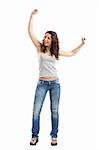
54, 90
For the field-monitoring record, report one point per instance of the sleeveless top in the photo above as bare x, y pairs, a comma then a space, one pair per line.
47, 65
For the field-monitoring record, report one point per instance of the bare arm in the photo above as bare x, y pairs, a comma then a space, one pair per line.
74, 51
31, 32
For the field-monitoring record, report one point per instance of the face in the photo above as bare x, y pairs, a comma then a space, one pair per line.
47, 39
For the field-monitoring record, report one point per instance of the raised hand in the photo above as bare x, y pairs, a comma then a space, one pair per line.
35, 41
83, 40
35, 11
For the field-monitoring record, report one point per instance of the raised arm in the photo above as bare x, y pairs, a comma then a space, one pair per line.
31, 31
74, 51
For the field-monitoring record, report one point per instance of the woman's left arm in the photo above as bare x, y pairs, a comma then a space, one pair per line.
74, 51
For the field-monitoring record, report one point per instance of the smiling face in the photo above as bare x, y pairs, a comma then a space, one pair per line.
47, 40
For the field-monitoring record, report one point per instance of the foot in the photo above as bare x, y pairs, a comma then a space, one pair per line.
33, 141
54, 141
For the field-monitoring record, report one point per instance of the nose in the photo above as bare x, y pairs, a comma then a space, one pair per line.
45, 39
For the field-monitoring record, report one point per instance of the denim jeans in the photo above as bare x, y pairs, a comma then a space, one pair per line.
54, 90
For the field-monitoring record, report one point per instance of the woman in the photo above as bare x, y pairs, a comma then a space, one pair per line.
48, 52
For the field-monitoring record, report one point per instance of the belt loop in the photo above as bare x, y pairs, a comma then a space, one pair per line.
49, 82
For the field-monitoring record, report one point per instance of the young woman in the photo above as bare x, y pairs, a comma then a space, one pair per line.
48, 51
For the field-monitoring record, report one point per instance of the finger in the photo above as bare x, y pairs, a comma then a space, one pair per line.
84, 39
35, 10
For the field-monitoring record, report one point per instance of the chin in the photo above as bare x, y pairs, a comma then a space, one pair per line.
47, 45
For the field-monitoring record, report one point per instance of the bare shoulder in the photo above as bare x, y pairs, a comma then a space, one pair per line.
60, 52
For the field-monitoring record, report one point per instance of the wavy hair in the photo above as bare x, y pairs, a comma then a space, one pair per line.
54, 50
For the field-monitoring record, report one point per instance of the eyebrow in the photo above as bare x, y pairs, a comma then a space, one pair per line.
47, 37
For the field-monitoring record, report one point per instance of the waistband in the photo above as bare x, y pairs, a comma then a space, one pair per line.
48, 82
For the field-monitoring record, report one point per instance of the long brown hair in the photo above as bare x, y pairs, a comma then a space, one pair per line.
54, 50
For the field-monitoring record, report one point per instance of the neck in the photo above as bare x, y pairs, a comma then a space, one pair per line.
48, 48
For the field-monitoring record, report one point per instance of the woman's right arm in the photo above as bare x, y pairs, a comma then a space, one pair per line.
31, 32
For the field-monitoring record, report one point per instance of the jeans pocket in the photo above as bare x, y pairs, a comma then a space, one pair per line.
39, 82
57, 81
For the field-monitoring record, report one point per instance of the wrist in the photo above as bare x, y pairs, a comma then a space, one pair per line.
82, 43
31, 15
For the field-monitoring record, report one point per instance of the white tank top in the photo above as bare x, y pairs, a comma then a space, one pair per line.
47, 65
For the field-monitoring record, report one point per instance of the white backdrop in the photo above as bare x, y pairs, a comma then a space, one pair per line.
79, 104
